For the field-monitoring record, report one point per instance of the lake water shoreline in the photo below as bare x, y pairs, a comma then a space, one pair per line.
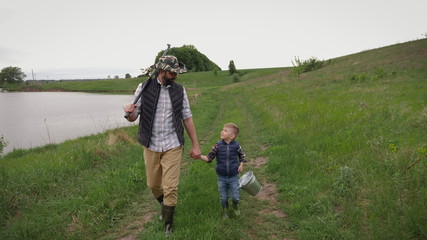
36, 89
41, 118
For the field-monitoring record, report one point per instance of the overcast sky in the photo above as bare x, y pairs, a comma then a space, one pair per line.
69, 39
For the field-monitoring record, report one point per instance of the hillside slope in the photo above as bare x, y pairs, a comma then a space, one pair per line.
348, 144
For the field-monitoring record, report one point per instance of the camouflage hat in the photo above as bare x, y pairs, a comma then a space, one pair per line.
170, 63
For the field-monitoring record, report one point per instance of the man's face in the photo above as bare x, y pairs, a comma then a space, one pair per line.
169, 77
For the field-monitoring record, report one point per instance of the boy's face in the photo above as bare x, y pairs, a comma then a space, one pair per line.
227, 134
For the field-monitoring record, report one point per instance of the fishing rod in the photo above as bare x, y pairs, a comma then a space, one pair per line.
152, 75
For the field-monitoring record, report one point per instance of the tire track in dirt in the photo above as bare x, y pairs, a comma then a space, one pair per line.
204, 140
268, 192
133, 229
268, 218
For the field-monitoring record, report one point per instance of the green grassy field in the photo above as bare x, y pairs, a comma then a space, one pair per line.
342, 153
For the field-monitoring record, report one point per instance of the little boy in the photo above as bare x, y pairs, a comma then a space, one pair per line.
229, 163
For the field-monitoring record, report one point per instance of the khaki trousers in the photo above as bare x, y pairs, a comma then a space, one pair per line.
162, 170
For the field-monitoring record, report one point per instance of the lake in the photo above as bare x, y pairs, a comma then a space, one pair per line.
32, 119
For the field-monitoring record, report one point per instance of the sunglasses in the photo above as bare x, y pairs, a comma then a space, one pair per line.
172, 73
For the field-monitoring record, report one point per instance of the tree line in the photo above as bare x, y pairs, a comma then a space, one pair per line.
194, 60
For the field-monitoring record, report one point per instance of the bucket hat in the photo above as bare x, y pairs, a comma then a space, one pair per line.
170, 63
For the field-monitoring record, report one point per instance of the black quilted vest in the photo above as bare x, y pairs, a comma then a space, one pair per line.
149, 99
227, 159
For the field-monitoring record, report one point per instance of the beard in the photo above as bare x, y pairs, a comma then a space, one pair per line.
168, 81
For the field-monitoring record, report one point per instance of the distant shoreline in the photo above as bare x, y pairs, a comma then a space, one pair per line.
35, 89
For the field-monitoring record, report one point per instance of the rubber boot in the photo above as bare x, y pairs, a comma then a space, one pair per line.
236, 209
160, 199
167, 213
224, 213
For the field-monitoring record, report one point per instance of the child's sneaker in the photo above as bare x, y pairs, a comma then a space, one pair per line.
236, 211
224, 213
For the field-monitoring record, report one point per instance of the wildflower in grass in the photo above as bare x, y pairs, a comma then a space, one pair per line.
344, 183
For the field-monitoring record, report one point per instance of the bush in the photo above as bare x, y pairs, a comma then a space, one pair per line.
236, 77
359, 78
380, 73
3, 144
308, 65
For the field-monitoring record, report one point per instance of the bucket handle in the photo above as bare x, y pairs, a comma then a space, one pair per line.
240, 175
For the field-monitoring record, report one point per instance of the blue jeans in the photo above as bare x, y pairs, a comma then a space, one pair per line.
226, 184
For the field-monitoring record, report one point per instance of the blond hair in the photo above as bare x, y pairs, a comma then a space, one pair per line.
233, 127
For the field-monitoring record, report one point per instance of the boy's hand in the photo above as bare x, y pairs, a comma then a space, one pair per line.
204, 158
240, 169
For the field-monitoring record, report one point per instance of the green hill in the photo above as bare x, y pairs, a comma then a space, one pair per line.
341, 153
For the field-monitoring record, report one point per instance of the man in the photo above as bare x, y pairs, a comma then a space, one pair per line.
163, 109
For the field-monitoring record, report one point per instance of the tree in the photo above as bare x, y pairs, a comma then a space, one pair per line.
194, 60
11, 75
232, 68
128, 75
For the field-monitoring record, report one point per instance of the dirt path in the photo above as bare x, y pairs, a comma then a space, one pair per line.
265, 216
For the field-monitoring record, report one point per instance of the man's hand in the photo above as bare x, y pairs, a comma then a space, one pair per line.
191, 131
195, 153
130, 108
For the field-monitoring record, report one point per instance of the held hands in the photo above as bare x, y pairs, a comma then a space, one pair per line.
195, 153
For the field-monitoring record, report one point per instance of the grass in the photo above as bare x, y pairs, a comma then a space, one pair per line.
339, 141
324, 122
73, 189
